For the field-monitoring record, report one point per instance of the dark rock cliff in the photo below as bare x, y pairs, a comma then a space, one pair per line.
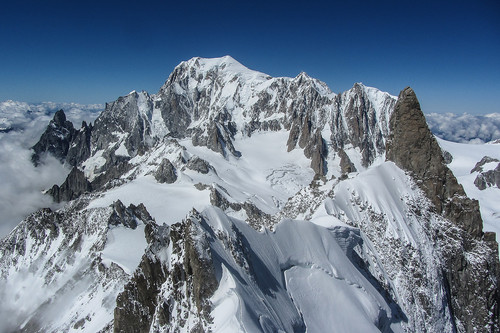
473, 298
486, 178
55, 140
163, 292
74, 186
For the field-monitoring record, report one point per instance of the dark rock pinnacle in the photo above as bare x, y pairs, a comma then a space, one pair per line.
411, 145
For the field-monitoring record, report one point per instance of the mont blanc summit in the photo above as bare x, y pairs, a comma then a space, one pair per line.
233, 201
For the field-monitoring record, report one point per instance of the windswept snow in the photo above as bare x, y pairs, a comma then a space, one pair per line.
124, 247
302, 271
167, 203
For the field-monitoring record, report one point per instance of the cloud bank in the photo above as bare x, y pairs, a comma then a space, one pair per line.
21, 125
465, 128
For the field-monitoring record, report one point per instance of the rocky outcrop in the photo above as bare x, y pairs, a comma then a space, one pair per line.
128, 216
357, 121
63, 141
74, 186
473, 297
317, 151
346, 166
479, 165
166, 172
164, 291
136, 304
129, 115
112, 173
412, 147
218, 137
79, 149
256, 218
448, 158
486, 178
55, 140
199, 165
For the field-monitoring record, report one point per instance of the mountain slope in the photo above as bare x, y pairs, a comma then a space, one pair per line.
286, 207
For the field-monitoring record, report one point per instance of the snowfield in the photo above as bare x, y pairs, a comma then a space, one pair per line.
465, 157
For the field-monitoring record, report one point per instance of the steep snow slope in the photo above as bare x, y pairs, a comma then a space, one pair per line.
303, 272
63, 270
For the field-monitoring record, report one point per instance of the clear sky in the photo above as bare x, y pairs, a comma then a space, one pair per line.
96, 51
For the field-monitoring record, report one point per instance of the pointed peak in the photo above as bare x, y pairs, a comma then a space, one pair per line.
407, 96
407, 92
136, 93
303, 75
358, 86
59, 117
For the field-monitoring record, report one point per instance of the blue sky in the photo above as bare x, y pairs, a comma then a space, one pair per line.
96, 51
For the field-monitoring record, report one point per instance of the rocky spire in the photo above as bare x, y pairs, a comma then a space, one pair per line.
411, 145
55, 140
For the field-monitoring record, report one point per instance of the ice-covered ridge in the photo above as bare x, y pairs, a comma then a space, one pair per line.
225, 64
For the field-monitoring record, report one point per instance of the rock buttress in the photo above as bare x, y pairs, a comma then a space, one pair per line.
472, 282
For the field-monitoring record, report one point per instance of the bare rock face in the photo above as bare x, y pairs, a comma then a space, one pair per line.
136, 305
448, 158
79, 149
346, 165
74, 186
124, 116
219, 136
473, 298
164, 291
487, 178
315, 149
128, 216
165, 172
199, 165
55, 140
63, 141
357, 123
412, 147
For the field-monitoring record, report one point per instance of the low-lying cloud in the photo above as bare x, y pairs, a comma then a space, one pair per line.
465, 128
21, 190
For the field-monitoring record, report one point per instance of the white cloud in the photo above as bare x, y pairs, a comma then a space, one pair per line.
22, 184
465, 128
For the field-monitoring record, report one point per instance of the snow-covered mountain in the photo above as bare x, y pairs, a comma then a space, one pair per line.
231, 201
